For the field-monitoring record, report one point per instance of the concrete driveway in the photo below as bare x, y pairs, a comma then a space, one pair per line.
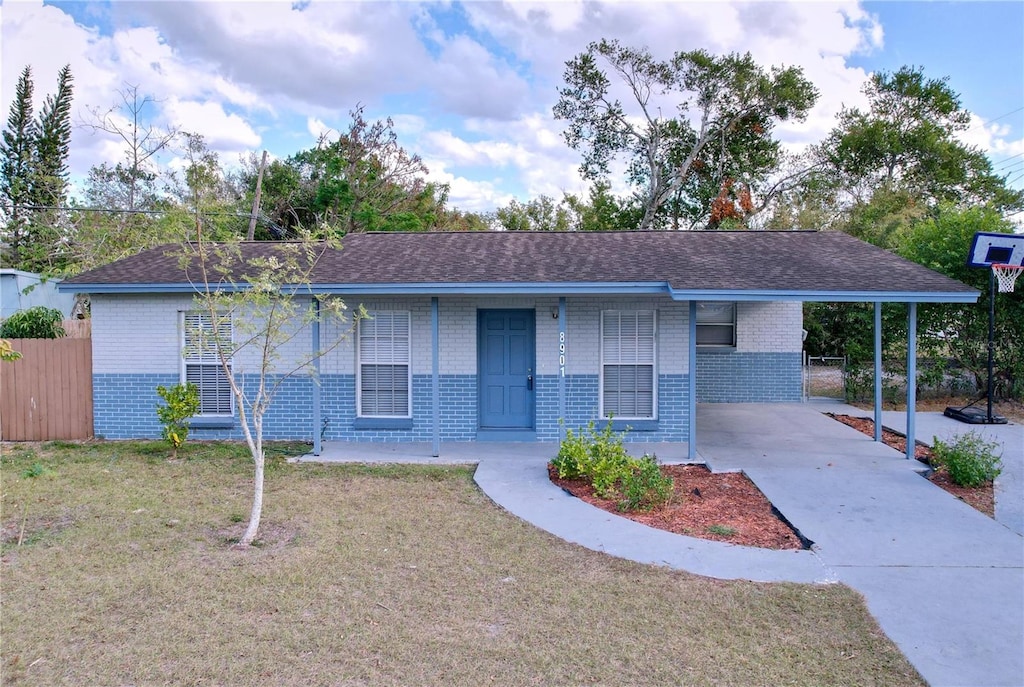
944, 581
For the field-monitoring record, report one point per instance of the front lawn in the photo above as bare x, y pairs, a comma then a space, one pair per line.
368, 575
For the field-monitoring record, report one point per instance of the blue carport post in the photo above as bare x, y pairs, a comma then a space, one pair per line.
878, 371
911, 377
317, 412
691, 401
435, 380
561, 367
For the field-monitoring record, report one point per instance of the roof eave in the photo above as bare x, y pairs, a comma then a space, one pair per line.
560, 289
858, 296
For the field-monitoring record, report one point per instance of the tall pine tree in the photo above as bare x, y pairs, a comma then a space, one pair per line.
17, 161
34, 176
54, 144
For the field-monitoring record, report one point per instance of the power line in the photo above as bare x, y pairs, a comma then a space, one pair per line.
995, 119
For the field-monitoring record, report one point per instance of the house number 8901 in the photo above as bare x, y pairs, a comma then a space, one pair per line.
561, 353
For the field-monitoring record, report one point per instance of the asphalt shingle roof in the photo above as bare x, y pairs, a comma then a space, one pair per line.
687, 261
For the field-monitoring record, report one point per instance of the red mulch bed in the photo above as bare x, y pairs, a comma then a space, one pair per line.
980, 498
702, 500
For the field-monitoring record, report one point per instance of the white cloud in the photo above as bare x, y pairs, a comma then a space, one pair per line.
224, 132
992, 137
472, 95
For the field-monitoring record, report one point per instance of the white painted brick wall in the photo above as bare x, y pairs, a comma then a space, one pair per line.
141, 333
584, 334
773, 327
136, 333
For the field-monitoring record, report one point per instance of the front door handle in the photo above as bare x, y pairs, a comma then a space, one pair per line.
529, 382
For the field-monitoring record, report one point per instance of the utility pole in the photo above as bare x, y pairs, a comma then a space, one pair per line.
256, 201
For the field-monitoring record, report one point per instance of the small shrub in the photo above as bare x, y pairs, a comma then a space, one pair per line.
610, 463
645, 488
968, 458
182, 402
573, 456
598, 457
38, 322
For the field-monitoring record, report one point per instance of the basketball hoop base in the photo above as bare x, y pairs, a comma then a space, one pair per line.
973, 415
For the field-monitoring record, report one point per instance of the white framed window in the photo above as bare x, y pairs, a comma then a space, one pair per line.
716, 324
201, 364
384, 377
628, 375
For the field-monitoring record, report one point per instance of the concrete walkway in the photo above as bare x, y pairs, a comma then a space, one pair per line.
945, 582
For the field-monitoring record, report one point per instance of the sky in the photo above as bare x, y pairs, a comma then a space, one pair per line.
470, 85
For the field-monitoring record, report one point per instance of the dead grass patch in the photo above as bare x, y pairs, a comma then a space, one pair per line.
384, 576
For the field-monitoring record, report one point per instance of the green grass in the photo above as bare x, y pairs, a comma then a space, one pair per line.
392, 575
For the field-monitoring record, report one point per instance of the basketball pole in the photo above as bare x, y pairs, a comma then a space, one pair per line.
971, 413
991, 338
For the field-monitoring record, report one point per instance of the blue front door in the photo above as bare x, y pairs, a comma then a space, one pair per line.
506, 365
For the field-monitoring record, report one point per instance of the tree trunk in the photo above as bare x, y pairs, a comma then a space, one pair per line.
257, 499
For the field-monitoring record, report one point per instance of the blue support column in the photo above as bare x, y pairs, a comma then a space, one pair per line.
435, 381
317, 413
911, 378
878, 371
691, 367
562, 360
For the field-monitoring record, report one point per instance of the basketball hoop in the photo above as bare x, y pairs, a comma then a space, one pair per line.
1006, 275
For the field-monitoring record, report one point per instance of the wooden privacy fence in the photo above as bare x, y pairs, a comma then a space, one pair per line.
47, 394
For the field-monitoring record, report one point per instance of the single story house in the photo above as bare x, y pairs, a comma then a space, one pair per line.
506, 335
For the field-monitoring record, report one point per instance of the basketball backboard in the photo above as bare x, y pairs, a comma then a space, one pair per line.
988, 249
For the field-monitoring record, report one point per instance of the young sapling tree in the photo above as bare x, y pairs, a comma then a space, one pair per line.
257, 303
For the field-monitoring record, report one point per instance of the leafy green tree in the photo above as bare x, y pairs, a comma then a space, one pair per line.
904, 148
603, 211
960, 332
38, 322
362, 181
735, 103
540, 214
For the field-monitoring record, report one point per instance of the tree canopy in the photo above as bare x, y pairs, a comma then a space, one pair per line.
716, 141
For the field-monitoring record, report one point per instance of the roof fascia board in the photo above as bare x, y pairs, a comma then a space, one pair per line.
560, 288
830, 296
458, 288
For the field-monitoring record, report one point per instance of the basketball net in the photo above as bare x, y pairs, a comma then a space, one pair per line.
1006, 275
